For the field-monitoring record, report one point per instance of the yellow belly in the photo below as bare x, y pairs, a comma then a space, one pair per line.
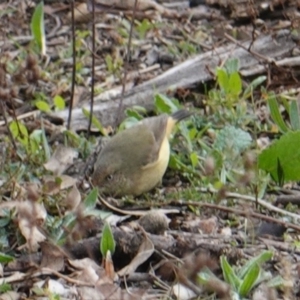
152, 173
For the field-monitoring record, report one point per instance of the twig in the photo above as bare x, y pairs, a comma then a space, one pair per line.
33, 113
3, 108
258, 55
73, 66
260, 201
246, 214
265, 204
128, 61
93, 68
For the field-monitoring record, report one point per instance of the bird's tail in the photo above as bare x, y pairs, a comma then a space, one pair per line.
176, 117
180, 115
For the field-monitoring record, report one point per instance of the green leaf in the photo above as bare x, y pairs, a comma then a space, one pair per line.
59, 102
5, 287
128, 122
276, 282
253, 85
73, 137
164, 104
95, 121
229, 274
4, 258
194, 159
257, 260
4, 222
235, 84
143, 27
91, 199
294, 115
232, 66
280, 173
287, 151
37, 27
232, 139
107, 242
223, 79
35, 141
206, 276
136, 112
60, 234
19, 131
109, 63
249, 280
275, 114
42, 106
46, 146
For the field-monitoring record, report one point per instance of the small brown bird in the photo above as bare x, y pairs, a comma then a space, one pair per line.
135, 160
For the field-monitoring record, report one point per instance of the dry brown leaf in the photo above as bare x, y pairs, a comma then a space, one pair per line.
141, 5
145, 251
32, 235
15, 277
82, 11
61, 159
88, 275
72, 200
113, 292
52, 257
11, 295
86, 292
109, 267
54, 184
84, 263
31, 215
52, 287
182, 292
33, 191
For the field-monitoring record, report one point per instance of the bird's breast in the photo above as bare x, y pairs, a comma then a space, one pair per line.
152, 173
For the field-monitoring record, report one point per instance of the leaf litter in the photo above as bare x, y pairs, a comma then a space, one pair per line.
34, 207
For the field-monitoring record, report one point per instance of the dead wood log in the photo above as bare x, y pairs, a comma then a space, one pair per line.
263, 51
245, 9
176, 243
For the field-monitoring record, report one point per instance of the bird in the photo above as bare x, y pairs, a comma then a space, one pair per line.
134, 160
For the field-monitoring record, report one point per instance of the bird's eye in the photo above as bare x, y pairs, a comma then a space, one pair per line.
109, 177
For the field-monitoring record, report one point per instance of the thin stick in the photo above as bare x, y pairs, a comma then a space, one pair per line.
247, 214
260, 201
93, 67
128, 61
74, 65
3, 108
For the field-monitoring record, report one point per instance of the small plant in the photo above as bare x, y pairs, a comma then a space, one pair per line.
143, 27
41, 104
282, 158
292, 110
107, 242
113, 65
34, 143
57, 226
5, 287
187, 48
38, 28
228, 102
244, 279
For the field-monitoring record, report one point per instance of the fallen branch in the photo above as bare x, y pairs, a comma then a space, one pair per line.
194, 70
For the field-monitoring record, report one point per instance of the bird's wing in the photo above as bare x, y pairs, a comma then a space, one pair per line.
157, 125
